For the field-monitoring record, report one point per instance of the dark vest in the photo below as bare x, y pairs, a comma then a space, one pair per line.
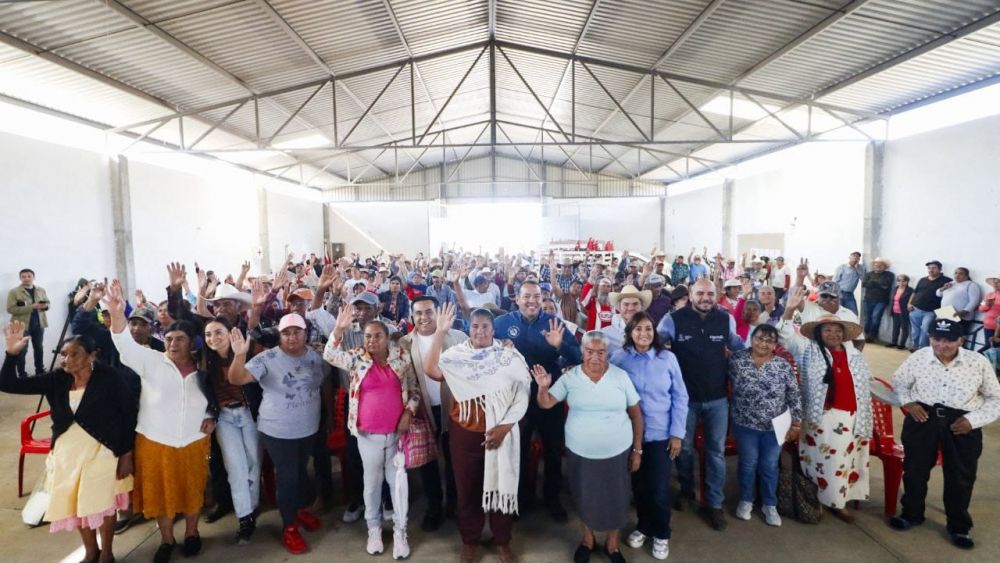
700, 347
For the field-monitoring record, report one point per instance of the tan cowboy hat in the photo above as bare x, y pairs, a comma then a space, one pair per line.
883, 260
990, 280
645, 296
851, 329
226, 291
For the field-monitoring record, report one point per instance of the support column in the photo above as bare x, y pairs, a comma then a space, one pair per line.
872, 239
121, 213
326, 228
727, 217
264, 238
663, 223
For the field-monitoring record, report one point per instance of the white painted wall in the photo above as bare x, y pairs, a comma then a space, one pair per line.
294, 223
632, 223
942, 200
56, 221
694, 219
366, 228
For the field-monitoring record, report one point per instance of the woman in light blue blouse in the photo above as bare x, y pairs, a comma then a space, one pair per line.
764, 387
604, 439
656, 375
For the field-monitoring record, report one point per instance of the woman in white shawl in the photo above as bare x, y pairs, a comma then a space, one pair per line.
836, 406
490, 384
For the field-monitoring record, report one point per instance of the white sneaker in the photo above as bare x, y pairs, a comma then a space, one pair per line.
375, 541
387, 515
400, 545
661, 548
771, 516
743, 510
353, 515
636, 539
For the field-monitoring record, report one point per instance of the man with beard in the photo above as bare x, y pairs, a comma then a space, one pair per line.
595, 303
700, 336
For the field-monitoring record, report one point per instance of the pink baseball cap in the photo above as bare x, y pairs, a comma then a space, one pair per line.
291, 319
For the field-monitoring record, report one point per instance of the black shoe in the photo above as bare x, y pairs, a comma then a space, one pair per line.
247, 526
432, 521
557, 512
902, 524
191, 547
126, 523
614, 556
582, 554
717, 518
164, 552
962, 541
682, 499
218, 513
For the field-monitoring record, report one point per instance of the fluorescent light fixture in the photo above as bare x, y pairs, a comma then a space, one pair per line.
305, 142
742, 109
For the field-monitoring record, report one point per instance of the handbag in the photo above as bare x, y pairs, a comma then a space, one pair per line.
33, 513
797, 494
418, 444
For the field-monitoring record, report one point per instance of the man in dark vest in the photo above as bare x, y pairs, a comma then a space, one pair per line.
699, 335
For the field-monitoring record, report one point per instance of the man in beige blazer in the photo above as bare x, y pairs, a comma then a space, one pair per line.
436, 404
28, 303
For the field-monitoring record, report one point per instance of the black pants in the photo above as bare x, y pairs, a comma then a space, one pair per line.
36, 333
921, 441
651, 489
289, 458
430, 473
322, 467
550, 425
900, 328
219, 477
778, 292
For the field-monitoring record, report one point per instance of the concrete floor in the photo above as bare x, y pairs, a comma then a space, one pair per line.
536, 538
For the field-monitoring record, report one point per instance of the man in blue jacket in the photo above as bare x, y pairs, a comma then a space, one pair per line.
541, 339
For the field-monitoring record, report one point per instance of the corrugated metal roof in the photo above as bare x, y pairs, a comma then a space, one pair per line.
220, 51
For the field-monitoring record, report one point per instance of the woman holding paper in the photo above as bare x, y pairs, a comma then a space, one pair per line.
765, 403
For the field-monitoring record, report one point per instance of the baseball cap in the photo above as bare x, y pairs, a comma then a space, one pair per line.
946, 328
365, 297
290, 320
545, 286
479, 280
147, 314
731, 283
303, 293
829, 288
656, 279
934, 263
437, 274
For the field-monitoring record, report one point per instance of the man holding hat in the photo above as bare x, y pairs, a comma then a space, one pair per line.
949, 394
627, 302
924, 302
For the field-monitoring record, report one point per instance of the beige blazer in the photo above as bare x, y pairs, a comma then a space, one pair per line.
23, 312
454, 338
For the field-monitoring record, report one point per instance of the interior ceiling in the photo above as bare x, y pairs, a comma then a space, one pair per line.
329, 92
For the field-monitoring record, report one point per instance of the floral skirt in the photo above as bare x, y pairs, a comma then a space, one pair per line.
169, 480
835, 459
81, 479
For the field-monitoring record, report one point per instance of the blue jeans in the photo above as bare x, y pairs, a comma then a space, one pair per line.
920, 325
873, 316
759, 453
238, 440
847, 300
714, 417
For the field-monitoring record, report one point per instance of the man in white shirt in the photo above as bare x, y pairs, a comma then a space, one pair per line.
781, 277
949, 394
481, 294
627, 302
963, 294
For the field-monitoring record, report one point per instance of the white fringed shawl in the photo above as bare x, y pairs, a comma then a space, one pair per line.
495, 379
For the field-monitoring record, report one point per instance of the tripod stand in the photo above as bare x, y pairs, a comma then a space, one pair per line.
55, 353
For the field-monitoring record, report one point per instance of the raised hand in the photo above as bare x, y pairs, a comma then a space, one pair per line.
258, 295
542, 377
140, 298
14, 337
239, 344
202, 282
97, 292
554, 336
245, 267
176, 274
326, 278
115, 300
281, 278
795, 298
345, 318
446, 318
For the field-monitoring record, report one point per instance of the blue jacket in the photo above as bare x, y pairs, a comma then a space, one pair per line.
529, 339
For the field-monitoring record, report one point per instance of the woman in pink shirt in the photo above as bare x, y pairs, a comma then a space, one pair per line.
991, 310
383, 398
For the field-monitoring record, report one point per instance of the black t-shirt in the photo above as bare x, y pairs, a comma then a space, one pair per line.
925, 297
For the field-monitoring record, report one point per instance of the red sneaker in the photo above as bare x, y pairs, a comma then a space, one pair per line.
307, 520
293, 540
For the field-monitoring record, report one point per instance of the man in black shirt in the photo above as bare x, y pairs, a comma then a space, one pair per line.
923, 304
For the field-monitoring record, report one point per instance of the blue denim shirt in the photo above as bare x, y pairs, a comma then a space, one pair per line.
529, 339
664, 399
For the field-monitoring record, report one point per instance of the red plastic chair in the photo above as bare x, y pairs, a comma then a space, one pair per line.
30, 445
883, 446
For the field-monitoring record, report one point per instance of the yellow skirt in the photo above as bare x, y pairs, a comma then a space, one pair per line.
169, 480
82, 482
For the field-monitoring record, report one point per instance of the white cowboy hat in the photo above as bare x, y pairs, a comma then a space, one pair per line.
885, 261
645, 296
851, 329
227, 291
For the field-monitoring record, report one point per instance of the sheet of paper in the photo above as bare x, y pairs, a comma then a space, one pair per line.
782, 423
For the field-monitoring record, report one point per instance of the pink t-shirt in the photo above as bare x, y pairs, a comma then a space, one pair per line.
380, 401
990, 318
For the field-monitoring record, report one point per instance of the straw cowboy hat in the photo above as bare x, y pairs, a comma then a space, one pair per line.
645, 296
990, 280
851, 329
226, 291
885, 261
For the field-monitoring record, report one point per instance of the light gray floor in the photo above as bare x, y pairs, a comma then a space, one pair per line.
536, 538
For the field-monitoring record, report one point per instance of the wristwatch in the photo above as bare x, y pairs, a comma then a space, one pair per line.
638, 451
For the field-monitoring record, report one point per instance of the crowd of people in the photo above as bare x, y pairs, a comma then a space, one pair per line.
451, 365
